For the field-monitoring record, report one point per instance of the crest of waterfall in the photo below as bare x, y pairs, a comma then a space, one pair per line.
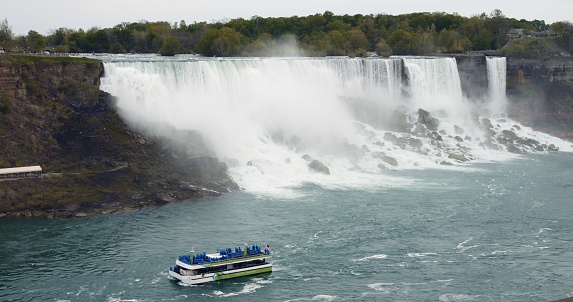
270, 118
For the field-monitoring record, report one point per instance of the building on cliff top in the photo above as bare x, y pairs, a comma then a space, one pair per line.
21, 172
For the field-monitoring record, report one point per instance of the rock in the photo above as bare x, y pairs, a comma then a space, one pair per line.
390, 160
382, 167
509, 135
459, 139
528, 142
437, 137
420, 129
486, 123
459, 130
513, 149
415, 143
72, 207
319, 167
552, 147
399, 121
446, 163
458, 157
425, 118
307, 157
490, 144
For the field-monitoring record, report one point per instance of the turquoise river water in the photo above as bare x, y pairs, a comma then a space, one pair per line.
500, 231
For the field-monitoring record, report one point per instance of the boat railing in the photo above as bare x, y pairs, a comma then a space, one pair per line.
224, 254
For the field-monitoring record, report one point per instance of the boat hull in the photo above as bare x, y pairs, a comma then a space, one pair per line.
229, 274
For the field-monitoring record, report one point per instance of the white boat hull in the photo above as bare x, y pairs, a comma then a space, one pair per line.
228, 274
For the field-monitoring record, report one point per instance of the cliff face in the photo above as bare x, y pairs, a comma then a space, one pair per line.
541, 93
53, 114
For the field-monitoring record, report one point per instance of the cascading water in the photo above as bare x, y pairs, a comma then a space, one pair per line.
268, 118
496, 77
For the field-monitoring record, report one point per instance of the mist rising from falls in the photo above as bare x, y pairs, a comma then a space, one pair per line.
269, 118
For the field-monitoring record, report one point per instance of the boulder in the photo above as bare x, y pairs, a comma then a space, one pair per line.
319, 167
420, 129
509, 135
513, 149
399, 121
486, 123
390, 160
425, 118
552, 147
458, 157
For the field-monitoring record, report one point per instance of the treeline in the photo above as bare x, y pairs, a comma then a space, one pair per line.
315, 35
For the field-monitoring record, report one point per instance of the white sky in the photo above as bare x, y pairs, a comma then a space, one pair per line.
43, 15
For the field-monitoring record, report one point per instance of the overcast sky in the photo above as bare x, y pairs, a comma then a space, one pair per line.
44, 15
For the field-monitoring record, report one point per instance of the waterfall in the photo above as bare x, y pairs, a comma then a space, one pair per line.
267, 118
496, 78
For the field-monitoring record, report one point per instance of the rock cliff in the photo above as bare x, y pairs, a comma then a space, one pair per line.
540, 90
541, 93
53, 114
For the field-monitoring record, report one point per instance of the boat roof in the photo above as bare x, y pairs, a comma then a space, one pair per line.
222, 262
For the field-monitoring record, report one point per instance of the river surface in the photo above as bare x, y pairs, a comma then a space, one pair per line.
498, 231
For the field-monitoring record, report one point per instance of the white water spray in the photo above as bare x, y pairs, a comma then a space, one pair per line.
262, 116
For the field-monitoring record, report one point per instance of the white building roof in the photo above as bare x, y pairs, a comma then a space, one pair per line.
21, 170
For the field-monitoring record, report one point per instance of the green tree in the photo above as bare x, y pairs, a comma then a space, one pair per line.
228, 43
6, 34
383, 49
170, 46
404, 43
36, 42
97, 40
563, 31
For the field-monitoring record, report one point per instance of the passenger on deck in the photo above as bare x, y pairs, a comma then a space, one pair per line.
268, 249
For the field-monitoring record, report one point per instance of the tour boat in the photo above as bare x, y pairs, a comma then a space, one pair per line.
224, 264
